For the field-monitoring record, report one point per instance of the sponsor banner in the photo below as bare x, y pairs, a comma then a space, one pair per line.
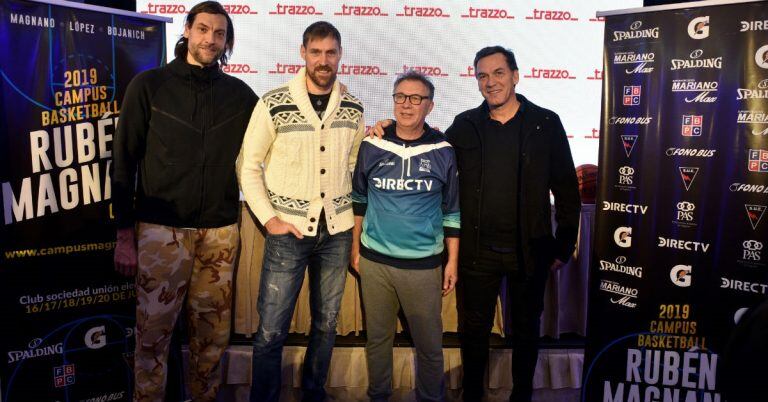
557, 45
682, 182
63, 73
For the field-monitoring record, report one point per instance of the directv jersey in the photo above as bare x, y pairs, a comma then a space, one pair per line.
408, 193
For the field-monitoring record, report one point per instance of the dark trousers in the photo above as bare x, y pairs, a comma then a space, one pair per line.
479, 287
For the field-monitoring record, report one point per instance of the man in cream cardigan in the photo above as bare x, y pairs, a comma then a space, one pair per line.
298, 154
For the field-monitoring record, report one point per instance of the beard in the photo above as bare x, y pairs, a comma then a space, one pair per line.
205, 58
324, 82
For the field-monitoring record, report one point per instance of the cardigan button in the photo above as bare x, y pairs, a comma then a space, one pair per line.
322, 171
309, 228
322, 195
322, 148
312, 219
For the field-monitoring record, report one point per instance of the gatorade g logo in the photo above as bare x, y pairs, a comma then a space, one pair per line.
698, 28
96, 338
680, 275
623, 237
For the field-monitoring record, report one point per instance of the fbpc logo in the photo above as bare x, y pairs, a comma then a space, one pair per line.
680, 275
692, 125
631, 95
698, 28
623, 236
64, 376
758, 160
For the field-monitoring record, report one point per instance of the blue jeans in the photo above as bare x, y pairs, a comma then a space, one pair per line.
285, 259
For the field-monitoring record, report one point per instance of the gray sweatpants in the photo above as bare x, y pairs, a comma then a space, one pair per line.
385, 290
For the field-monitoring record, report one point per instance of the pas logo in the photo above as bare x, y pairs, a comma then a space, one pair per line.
96, 337
64, 376
688, 174
761, 57
685, 211
425, 165
623, 236
698, 28
752, 250
680, 275
692, 125
629, 143
758, 160
755, 214
631, 95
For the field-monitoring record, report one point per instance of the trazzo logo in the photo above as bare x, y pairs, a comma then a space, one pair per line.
761, 57
294, 9
698, 28
282, 68
759, 92
628, 143
620, 268
470, 73
636, 33
699, 153
165, 9
623, 236
759, 25
346, 69
550, 74
695, 61
234, 68
625, 293
758, 160
35, 348
692, 125
428, 12
551, 15
64, 376
680, 275
488, 13
425, 165
429, 71
754, 214
752, 250
238, 9
688, 174
748, 188
743, 286
704, 89
642, 61
597, 75
631, 95
623, 120
360, 11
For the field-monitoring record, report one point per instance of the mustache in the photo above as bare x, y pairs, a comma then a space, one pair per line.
324, 68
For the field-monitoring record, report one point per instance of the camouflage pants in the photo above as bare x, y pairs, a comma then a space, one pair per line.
172, 263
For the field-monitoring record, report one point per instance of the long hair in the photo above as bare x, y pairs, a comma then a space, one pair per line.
208, 7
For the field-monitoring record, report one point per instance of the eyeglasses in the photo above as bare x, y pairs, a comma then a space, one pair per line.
414, 99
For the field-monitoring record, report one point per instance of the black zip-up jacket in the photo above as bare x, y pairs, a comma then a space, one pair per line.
545, 164
177, 140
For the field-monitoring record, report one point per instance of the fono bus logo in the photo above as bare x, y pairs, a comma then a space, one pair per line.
628, 142
748, 188
428, 12
360, 11
759, 92
625, 294
488, 13
680, 275
693, 152
692, 125
761, 57
761, 25
695, 60
551, 15
698, 28
636, 31
641, 61
550, 74
620, 268
758, 160
703, 90
630, 120
294, 9
622, 236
